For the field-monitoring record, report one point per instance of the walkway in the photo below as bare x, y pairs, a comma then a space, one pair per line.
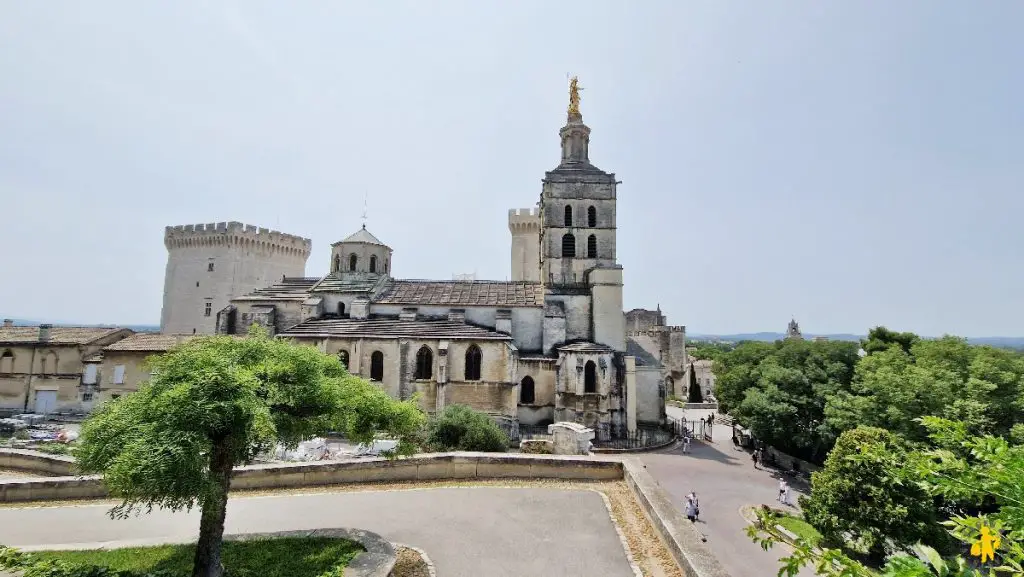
725, 480
468, 532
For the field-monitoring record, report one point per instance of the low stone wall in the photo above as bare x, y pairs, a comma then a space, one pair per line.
700, 406
786, 462
36, 462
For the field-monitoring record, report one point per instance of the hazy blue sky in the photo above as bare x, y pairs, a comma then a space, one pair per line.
849, 163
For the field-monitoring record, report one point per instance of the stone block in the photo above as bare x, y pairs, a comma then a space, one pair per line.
570, 438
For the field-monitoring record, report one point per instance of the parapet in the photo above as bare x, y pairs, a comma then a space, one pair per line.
234, 233
523, 218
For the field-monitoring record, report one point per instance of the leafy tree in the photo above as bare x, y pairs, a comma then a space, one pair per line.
964, 467
695, 393
214, 403
893, 387
701, 350
864, 495
460, 428
881, 338
779, 390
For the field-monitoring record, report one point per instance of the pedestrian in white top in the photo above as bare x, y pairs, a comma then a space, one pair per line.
785, 495
783, 487
691, 509
686, 444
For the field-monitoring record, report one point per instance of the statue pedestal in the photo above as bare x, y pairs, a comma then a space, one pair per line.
570, 438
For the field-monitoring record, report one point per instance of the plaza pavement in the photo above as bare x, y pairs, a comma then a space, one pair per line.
725, 480
466, 531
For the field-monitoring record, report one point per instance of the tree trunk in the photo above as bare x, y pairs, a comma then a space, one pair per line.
214, 510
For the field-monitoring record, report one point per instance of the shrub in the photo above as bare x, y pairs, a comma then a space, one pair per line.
460, 428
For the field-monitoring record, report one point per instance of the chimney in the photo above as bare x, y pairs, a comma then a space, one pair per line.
44, 333
8, 323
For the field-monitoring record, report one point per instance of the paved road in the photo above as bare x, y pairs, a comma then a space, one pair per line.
725, 480
468, 532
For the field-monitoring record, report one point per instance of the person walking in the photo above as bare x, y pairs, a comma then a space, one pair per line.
783, 489
754, 455
686, 444
785, 496
691, 507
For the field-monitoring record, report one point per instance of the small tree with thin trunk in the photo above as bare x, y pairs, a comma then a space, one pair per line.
216, 402
695, 393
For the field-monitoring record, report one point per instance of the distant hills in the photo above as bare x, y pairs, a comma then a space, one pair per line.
1003, 342
136, 328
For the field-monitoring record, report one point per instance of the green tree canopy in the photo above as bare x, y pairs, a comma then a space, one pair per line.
779, 390
863, 494
214, 403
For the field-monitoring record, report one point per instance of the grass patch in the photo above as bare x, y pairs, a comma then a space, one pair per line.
800, 528
286, 557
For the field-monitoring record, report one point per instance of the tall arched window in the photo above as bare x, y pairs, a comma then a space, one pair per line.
424, 363
373, 263
473, 358
592, 246
343, 357
568, 216
337, 264
591, 217
377, 366
526, 392
590, 377
7, 362
568, 246
353, 260
341, 309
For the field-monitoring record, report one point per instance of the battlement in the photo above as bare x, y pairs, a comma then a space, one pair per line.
234, 233
657, 330
523, 218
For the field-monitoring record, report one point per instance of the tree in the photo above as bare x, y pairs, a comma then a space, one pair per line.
460, 428
216, 402
864, 495
962, 467
695, 393
881, 338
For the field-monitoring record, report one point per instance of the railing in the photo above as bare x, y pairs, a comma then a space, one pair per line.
526, 433
642, 438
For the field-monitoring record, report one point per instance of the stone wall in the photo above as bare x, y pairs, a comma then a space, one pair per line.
244, 258
33, 462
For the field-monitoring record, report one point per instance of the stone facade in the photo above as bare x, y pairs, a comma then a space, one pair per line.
550, 345
210, 264
662, 362
49, 369
705, 378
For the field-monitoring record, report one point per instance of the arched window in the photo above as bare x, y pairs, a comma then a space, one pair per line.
473, 357
591, 217
353, 260
7, 362
424, 363
343, 357
568, 216
387, 265
590, 377
568, 246
592, 246
373, 263
526, 392
377, 366
341, 309
337, 264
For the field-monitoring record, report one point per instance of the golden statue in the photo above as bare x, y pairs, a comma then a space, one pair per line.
574, 96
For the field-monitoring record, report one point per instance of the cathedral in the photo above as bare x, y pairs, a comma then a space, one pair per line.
549, 345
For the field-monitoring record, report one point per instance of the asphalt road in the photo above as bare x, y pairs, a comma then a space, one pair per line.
467, 532
725, 480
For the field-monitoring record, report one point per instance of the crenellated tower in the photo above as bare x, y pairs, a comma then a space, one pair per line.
524, 224
210, 264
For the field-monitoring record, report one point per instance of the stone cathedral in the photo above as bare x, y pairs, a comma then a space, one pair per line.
549, 345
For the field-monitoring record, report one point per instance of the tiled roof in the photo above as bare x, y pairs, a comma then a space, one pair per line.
349, 282
154, 342
585, 347
58, 335
391, 328
463, 293
643, 357
362, 235
291, 288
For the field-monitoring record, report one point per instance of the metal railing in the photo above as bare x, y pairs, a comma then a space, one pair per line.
642, 438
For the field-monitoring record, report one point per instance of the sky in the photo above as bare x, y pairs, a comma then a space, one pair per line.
849, 164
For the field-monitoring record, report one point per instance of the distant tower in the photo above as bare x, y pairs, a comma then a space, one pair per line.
210, 264
793, 331
524, 224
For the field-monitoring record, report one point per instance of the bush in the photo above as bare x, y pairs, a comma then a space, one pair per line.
460, 428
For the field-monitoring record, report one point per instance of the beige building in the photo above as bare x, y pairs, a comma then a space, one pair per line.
209, 264
705, 378
550, 345
660, 351
123, 365
48, 369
